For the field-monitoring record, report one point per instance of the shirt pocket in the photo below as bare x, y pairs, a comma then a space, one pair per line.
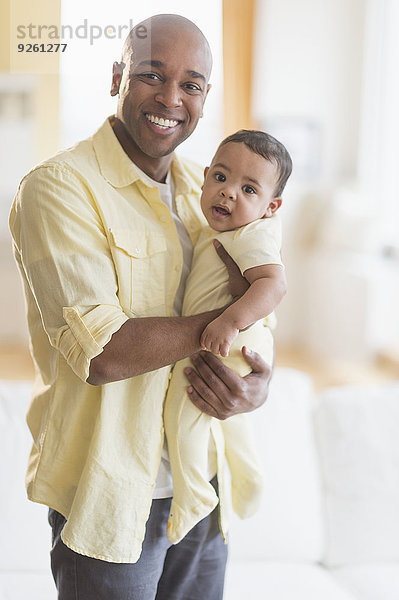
141, 260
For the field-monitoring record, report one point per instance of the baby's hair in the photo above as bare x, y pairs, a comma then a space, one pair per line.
267, 146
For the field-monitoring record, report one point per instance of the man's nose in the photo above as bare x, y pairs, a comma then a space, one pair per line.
169, 94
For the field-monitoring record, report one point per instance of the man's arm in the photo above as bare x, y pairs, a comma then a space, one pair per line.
146, 344
214, 388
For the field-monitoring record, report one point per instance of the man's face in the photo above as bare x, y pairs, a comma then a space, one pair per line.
163, 90
238, 188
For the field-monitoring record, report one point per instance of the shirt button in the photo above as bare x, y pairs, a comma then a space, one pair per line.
138, 250
163, 218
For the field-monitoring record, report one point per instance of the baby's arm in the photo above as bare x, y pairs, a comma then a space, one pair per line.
267, 288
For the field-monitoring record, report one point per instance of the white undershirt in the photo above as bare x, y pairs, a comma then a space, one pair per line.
164, 486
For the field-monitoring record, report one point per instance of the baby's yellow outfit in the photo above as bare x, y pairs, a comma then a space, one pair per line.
187, 428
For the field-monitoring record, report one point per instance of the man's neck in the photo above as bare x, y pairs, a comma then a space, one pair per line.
156, 168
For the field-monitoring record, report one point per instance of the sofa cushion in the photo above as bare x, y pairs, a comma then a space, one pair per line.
370, 582
25, 532
20, 585
357, 432
289, 524
257, 580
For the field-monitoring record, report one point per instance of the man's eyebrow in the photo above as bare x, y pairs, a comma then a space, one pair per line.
159, 64
151, 63
196, 75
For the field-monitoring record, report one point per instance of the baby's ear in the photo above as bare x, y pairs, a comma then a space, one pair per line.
205, 174
273, 206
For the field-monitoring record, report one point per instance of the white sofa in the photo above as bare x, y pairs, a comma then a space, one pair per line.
328, 528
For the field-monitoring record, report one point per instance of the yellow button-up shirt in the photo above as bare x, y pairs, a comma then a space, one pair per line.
96, 246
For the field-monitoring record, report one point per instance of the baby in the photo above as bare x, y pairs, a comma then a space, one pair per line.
240, 196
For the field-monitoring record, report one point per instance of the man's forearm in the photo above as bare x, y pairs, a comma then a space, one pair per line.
146, 344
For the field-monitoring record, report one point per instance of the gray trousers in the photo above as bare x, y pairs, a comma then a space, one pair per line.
193, 569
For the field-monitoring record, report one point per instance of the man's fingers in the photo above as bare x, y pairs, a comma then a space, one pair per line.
209, 377
218, 391
256, 362
230, 386
224, 256
200, 393
200, 403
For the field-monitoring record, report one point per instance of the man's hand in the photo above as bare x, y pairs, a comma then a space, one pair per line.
218, 336
219, 392
238, 285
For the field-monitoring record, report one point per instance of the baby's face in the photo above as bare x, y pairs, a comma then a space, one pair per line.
238, 188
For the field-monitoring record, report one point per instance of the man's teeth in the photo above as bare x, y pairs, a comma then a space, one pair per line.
164, 123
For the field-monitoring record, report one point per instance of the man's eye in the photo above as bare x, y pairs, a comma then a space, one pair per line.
193, 87
248, 189
152, 76
220, 177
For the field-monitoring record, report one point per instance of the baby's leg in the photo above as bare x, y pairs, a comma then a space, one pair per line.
244, 464
187, 431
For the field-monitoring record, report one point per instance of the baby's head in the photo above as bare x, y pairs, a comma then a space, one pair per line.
245, 180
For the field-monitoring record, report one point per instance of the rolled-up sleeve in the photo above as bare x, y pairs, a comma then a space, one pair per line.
63, 252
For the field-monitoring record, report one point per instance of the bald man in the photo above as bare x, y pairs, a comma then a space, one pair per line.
103, 237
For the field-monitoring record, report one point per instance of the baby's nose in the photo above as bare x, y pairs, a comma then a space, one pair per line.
228, 194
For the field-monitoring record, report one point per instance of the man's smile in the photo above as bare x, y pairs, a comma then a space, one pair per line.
161, 122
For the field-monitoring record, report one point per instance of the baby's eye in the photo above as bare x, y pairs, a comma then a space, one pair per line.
248, 189
220, 177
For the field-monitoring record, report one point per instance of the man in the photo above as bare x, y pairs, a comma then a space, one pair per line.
103, 236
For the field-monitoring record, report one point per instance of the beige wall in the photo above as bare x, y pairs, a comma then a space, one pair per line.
44, 67
38, 74
238, 25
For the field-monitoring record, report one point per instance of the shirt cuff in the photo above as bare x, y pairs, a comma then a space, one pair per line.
85, 335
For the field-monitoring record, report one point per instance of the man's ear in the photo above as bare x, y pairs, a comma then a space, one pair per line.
205, 174
117, 71
273, 206
208, 87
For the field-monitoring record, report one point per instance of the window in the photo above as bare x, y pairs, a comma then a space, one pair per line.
379, 152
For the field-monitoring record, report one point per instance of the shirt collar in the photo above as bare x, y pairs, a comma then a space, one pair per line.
117, 168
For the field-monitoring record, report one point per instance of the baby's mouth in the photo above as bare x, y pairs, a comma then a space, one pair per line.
223, 211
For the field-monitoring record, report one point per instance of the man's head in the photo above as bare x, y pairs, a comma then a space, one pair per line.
245, 180
162, 83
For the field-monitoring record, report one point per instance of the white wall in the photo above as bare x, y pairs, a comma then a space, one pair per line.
308, 66
311, 93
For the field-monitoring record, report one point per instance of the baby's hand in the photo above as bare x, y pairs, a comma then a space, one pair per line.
218, 336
